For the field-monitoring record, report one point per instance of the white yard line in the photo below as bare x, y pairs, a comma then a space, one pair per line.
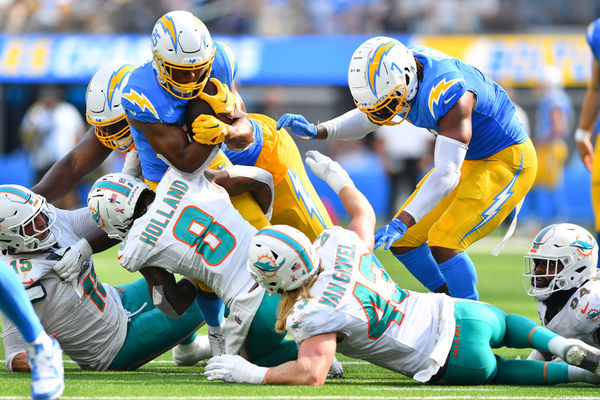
311, 397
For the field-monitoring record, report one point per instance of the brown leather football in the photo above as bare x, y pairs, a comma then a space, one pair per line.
198, 106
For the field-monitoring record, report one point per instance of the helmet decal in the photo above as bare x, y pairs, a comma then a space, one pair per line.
267, 265
115, 81
583, 247
538, 239
96, 214
169, 28
297, 247
438, 90
115, 187
17, 192
374, 66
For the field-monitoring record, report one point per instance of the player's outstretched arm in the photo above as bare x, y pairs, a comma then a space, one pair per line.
589, 111
362, 215
67, 172
171, 141
171, 297
239, 179
315, 355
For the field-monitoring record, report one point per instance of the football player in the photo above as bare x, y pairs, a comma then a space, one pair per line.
189, 226
42, 351
583, 135
334, 297
484, 162
99, 326
560, 272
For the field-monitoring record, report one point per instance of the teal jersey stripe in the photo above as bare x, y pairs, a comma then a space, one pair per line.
290, 242
115, 187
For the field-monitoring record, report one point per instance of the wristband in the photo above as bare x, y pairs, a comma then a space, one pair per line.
582, 135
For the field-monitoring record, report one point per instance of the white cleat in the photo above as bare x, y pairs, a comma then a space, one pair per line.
189, 354
584, 356
47, 373
335, 370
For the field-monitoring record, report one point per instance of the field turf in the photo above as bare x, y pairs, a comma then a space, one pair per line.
499, 283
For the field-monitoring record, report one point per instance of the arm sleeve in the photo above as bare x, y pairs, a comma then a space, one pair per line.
349, 126
81, 222
448, 158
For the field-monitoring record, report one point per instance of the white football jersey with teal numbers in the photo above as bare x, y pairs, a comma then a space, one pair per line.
580, 316
86, 316
401, 330
192, 229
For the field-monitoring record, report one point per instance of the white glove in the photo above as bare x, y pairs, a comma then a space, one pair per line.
234, 369
69, 266
132, 164
216, 340
328, 170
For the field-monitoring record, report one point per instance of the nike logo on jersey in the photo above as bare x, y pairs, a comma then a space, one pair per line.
449, 99
141, 101
586, 307
438, 90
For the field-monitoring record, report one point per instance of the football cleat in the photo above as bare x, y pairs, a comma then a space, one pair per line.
185, 355
584, 356
47, 374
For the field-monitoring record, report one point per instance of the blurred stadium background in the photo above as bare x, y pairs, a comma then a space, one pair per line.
293, 57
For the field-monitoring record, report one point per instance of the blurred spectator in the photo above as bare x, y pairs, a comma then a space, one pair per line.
553, 124
403, 150
49, 130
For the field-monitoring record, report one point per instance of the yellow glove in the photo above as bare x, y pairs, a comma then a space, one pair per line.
208, 129
223, 102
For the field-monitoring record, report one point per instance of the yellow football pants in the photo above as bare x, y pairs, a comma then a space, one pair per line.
488, 190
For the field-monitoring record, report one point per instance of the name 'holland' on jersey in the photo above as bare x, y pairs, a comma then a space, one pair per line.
155, 227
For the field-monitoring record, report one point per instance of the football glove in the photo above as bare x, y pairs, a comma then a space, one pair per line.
389, 233
234, 369
328, 170
298, 125
69, 266
208, 129
223, 102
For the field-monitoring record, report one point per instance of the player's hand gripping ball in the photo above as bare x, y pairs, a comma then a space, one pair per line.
204, 124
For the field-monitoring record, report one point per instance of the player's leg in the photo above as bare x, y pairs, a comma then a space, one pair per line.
413, 251
264, 345
44, 353
296, 202
149, 331
487, 193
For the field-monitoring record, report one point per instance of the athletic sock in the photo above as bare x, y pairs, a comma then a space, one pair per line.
461, 276
212, 310
522, 333
421, 264
15, 304
577, 374
531, 372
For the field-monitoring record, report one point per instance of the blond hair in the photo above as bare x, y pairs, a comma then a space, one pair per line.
289, 298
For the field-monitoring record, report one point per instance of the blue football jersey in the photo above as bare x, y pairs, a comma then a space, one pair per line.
592, 36
556, 99
445, 80
144, 99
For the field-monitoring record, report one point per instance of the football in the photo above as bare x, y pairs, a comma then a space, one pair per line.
198, 106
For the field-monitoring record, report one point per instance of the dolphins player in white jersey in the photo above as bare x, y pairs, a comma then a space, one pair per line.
335, 298
99, 326
560, 272
190, 227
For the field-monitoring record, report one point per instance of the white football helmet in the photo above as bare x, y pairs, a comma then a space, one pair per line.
281, 258
382, 78
112, 200
180, 41
19, 207
103, 105
560, 245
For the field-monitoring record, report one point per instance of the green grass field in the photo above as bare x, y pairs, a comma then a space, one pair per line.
499, 283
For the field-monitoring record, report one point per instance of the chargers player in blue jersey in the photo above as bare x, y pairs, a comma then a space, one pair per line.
583, 135
484, 162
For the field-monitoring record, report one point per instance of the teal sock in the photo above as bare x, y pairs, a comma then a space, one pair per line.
530, 372
522, 333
